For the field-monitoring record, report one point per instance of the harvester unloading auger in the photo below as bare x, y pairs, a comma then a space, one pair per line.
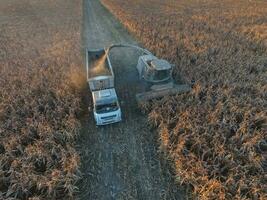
154, 73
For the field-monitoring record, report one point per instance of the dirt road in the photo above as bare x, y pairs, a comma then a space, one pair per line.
120, 161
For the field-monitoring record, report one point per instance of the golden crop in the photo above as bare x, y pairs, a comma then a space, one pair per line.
216, 135
40, 83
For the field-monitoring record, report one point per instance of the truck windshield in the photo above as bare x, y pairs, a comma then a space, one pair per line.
107, 108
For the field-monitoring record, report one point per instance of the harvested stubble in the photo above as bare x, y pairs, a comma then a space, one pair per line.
40, 84
216, 135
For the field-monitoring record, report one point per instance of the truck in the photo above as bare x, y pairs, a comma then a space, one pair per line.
100, 78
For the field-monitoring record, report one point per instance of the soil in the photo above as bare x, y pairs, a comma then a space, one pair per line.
120, 161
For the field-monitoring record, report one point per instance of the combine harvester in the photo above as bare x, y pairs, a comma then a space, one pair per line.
155, 75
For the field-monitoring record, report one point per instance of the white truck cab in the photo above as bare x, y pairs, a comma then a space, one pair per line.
106, 107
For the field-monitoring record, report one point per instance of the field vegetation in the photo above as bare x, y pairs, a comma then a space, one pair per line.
216, 135
40, 85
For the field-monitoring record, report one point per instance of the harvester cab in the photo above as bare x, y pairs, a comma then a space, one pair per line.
154, 70
157, 77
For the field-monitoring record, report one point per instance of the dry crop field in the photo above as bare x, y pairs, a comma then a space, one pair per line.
215, 136
39, 98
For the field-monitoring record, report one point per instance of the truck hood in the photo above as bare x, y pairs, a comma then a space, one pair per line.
106, 96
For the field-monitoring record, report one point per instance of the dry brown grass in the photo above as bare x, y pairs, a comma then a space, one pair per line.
40, 84
216, 135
